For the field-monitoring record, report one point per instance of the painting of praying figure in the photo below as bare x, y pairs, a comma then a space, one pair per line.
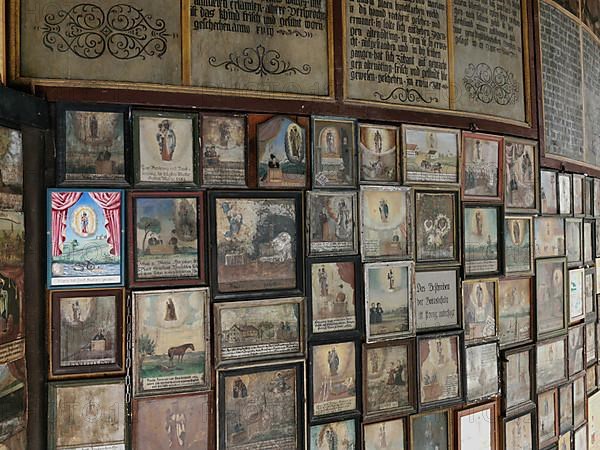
332, 227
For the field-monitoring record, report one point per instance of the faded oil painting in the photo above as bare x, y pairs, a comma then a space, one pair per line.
11, 169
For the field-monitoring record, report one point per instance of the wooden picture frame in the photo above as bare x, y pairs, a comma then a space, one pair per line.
547, 374
345, 431
183, 347
104, 399
576, 295
436, 421
547, 398
332, 223
395, 431
596, 197
548, 191
591, 380
377, 205
518, 245
221, 147
148, 423
387, 379
521, 171
155, 132
437, 227
430, 393
589, 241
527, 420
549, 236
328, 312
565, 194
478, 169
388, 290
565, 407
276, 224
588, 194
84, 141
339, 144
576, 351
14, 391
518, 389
85, 318
324, 356
379, 154
579, 401
515, 311
481, 363
236, 388
422, 149
486, 414
242, 335
574, 241
446, 284
88, 250
551, 296
480, 309
590, 294
12, 161
578, 194
178, 255
591, 344
482, 256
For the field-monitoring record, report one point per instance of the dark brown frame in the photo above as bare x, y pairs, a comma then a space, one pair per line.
404, 420
580, 329
567, 211
580, 195
396, 129
594, 360
505, 382
568, 389
369, 417
506, 219
578, 379
552, 384
449, 426
457, 304
565, 302
55, 371
132, 242
493, 416
552, 211
579, 222
592, 242
536, 176
486, 396
480, 198
499, 235
481, 339
357, 430
530, 412
562, 251
553, 439
513, 344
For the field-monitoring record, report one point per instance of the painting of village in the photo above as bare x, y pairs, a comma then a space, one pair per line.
170, 347
11, 169
431, 155
378, 154
84, 245
333, 296
256, 241
260, 409
334, 152
94, 146
166, 237
281, 153
253, 330
223, 150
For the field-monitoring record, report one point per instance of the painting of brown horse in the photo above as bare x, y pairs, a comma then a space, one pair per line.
178, 352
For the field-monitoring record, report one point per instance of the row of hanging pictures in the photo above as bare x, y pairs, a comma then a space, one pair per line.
358, 329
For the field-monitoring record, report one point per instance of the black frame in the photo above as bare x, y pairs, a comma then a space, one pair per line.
458, 304
341, 415
568, 389
500, 237
201, 117
298, 290
556, 435
61, 150
505, 382
358, 299
222, 374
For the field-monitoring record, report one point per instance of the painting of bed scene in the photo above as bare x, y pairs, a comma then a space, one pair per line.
85, 245
166, 237
223, 150
281, 153
170, 349
260, 409
378, 154
11, 169
94, 146
256, 242
257, 329
334, 152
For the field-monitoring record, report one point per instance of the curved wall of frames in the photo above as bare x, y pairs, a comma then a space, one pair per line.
302, 224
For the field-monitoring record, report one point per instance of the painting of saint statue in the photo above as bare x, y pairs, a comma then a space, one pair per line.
479, 303
332, 223
167, 235
282, 153
518, 246
519, 432
436, 226
514, 311
481, 244
386, 222
549, 236
332, 305
551, 296
11, 169
334, 152
482, 167
85, 244
379, 154
551, 363
549, 191
165, 148
261, 407
171, 345
256, 242
385, 435
223, 154
431, 431
547, 417
520, 190
172, 422
517, 381
334, 382
431, 155
334, 435
87, 332
13, 389
91, 144
12, 284
389, 300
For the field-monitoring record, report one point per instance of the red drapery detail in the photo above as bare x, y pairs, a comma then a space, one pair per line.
110, 202
61, 202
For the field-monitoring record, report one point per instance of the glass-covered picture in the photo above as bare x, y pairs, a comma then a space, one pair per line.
11, 172
331, 222
481, 242
518, 246
85, 242
482, 167
520, 190
479, 303
282, 153
549, 191
436, 226
334, 152
331, 435
515, 311
379, 154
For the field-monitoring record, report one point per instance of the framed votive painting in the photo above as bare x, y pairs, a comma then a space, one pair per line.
481, 246
166, 238
431, 429
480, 298
165, 148
86, 333
391, 433
518, 245
334, 152
482, 176
85, 238
515, 311
521, 172
332, 433
477, 427
517, 379
378, 154
11, 160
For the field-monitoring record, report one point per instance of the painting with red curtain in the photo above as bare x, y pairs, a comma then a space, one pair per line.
85, 244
